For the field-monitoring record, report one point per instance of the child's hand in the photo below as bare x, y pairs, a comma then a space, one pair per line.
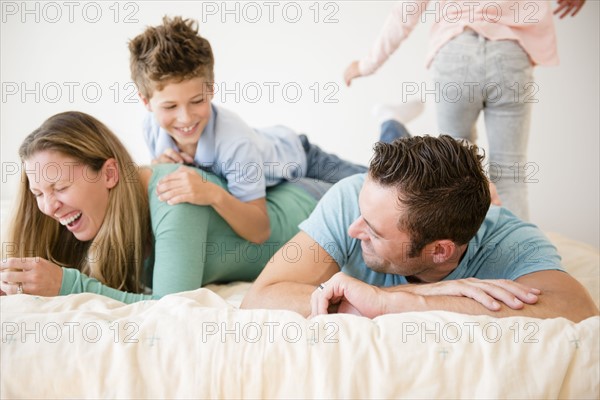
186, 186
352, 72
568, 7
171, 156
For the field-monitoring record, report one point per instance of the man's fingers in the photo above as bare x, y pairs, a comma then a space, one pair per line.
323, 296
522, 292
489, 293
491, 297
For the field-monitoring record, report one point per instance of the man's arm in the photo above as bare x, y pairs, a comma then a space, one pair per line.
291, 276
290, 279
561, 296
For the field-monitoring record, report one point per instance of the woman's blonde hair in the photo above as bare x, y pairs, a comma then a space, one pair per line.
116, 254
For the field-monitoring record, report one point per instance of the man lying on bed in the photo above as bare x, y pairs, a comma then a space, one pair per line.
412, 234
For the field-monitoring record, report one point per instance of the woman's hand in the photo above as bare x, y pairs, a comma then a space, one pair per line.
30, 275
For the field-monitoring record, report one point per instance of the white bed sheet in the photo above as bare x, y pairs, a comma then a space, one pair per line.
200, 345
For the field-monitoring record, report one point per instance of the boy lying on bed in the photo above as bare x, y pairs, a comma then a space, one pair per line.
393, 240
172, 66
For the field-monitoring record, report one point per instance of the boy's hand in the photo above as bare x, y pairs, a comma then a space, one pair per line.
171, 156
186, 186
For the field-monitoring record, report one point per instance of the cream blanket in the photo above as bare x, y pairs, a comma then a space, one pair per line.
200, 345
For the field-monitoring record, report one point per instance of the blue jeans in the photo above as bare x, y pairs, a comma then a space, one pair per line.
474, 75
325, 169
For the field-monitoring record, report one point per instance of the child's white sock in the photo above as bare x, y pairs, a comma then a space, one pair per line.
403, 113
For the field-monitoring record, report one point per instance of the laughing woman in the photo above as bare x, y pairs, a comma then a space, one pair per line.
89, 220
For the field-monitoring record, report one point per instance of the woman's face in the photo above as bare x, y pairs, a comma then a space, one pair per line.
71, 192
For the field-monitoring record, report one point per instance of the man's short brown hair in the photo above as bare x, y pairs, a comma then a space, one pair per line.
441, 187
171, 52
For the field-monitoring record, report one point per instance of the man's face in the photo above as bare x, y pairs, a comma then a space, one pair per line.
385, 248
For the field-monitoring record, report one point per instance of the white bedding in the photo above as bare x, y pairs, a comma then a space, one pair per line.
199, 344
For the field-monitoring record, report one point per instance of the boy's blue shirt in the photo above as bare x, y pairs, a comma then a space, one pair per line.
249, 159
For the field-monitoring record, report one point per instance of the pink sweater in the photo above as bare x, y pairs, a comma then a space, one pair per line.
528, 22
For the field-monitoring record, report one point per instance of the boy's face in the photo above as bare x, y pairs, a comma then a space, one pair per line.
183, 110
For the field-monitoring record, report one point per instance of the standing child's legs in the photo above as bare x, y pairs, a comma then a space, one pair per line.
459, 74
507, 121
477, 75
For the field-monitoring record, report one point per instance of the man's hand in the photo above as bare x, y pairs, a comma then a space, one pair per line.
171, 156
36, 276
352, 71
185, 185
348, 295
568, 7
356, 297
484, 291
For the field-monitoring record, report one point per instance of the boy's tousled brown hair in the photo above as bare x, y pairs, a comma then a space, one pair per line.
441, 186
171, 52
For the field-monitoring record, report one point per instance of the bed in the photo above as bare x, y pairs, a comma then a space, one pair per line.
199, 344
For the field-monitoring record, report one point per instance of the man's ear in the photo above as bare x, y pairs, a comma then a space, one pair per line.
111, 173
146, 101
443, 250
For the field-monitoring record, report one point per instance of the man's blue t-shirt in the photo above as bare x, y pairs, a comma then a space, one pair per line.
504, 247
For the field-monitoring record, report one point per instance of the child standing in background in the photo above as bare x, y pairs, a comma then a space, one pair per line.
482, 54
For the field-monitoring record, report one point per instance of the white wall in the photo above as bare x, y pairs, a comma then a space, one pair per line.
47, 46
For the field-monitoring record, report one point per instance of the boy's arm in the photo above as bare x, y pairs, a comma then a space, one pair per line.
250, 220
